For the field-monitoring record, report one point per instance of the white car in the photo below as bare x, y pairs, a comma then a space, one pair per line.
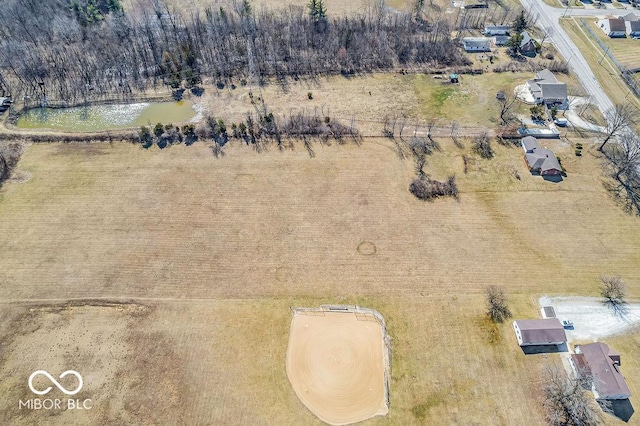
567, 323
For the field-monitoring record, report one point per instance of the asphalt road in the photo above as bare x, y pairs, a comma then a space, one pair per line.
548, 20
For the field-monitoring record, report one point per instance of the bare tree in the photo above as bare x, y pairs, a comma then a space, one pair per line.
567, 400
618, 119
624, 161
506, 102
482, 146
497, 308
613, 290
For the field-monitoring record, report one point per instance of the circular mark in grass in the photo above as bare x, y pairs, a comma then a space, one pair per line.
367, 248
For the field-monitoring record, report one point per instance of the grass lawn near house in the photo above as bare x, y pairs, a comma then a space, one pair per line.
606, 73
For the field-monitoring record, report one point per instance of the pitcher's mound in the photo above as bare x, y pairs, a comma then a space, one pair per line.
338, 363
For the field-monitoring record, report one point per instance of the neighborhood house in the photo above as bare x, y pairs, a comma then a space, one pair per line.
540, 160
546, 88
476, 44
527, 45
548, 331
613, 27
497, 30
602, 364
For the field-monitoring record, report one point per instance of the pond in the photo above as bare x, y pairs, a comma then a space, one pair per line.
106, 117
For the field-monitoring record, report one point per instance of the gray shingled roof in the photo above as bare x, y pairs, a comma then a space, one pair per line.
529, 143
607, 378
632, 26
553, 90
475, 42
541, 330
542, 159
616, 24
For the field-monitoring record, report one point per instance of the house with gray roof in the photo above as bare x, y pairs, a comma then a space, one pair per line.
546, 88
496, 30
602, 364
613, 27
501, 40
476, 44
527, 45
632, 28
529, 144
548, 331
540, 160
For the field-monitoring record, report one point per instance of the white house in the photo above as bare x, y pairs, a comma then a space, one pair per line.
633, 28
546, 89
613, 27
496, 30
476, 44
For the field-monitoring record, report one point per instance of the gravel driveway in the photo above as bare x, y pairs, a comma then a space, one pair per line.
592, 319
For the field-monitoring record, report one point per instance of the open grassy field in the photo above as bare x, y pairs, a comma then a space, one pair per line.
369, 98
213, 252
607, 74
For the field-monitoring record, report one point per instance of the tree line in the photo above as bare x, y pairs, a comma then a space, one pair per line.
53, 50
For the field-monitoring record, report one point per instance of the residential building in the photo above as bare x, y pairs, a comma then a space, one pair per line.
613, 27
476, 44
602, 364
546, 89
496, 30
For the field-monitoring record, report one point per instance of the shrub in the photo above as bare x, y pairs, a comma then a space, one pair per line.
310, 95
427, 189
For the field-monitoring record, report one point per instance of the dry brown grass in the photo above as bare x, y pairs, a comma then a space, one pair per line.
252, 234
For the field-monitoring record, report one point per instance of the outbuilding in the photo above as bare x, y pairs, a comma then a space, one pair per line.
548, 331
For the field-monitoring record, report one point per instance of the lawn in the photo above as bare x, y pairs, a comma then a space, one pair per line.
605, 71
213, 252
369, 98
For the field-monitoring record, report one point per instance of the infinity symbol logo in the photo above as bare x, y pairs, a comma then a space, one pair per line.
55, 382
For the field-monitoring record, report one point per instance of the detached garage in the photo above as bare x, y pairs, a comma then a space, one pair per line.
548, 331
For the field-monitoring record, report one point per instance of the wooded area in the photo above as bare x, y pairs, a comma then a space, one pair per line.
59, 50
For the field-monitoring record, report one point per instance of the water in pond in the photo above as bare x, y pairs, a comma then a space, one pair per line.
106, 117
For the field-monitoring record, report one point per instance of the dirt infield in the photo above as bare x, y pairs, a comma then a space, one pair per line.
337, 363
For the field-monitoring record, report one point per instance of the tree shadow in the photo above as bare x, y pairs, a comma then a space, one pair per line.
621, 408
619, 309
544, 349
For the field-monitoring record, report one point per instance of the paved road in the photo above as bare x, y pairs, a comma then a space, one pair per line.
548, 20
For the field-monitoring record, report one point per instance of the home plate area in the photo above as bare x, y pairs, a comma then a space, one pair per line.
338, 362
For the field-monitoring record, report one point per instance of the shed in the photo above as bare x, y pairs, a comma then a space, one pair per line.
548, 331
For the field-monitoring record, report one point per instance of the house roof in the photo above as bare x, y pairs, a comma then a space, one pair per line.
529, 143
546, 76
543, 159
501, 39
497, 28
630, 17
616, 24
606, 377
526, 39
541, 330
632, 26
470, 42
553, 90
